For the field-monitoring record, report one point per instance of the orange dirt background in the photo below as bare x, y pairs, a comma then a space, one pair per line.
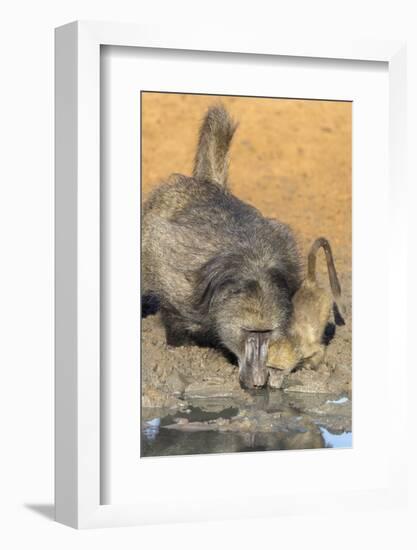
291, 159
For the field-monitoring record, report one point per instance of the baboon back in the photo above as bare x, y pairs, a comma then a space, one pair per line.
187, 222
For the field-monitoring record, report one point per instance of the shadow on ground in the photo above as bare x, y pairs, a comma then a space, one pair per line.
45, 510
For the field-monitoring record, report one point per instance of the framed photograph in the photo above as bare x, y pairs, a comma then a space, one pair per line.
222, 208
248, 284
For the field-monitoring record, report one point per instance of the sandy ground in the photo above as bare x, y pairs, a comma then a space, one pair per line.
290, 159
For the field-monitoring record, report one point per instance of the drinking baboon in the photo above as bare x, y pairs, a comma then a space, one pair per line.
312, 307
221, 271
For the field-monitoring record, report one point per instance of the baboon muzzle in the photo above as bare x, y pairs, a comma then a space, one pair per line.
252, 370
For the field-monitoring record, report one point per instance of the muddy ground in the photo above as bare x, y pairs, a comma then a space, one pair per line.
173, 377
291, 160
192, 401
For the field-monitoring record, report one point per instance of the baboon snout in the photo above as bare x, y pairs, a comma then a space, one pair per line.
260, 378
253, 372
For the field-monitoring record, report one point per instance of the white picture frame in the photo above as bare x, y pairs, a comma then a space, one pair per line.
78, 405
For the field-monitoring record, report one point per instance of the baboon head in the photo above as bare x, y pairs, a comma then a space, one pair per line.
284, 355
248, 307
310, 328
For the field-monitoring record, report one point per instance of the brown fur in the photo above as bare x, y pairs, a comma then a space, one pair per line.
223, 274
312, 313
216, 133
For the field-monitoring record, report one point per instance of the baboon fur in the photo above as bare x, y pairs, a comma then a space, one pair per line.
312, 309
222, 272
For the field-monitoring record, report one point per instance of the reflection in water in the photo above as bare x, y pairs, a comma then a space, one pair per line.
338, 401
337, 441
276, 422
151, 429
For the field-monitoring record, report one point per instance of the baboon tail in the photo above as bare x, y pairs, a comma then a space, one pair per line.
216, 133
331, 270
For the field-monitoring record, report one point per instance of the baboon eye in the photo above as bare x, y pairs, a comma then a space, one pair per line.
245, 286
236, 291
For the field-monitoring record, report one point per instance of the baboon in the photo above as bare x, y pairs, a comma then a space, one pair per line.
222, 273
312, 306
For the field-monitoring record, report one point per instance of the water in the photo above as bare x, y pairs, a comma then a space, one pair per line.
337, 441
271, 421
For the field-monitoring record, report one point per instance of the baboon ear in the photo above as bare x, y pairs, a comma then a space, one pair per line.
213, 276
